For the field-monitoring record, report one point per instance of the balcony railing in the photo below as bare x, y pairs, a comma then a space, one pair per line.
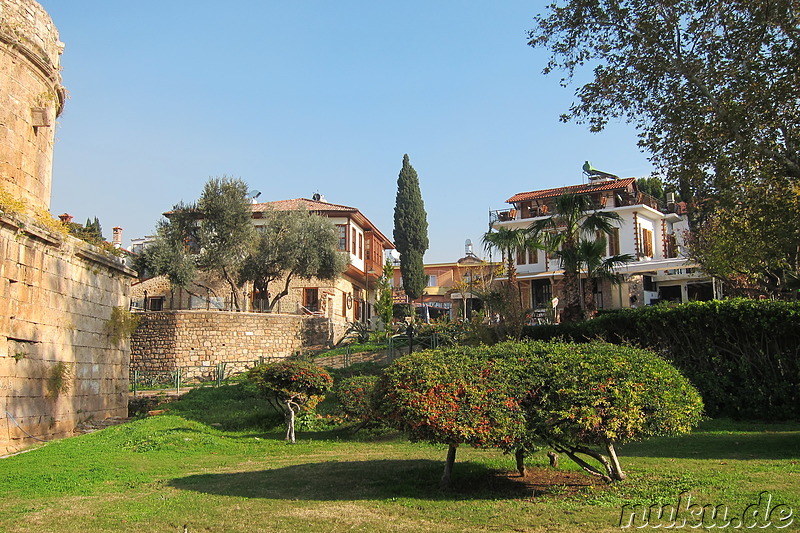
620, 200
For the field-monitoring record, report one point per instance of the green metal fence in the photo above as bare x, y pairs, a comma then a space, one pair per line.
191, 375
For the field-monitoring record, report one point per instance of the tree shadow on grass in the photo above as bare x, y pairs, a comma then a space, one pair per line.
716, 445
361, 480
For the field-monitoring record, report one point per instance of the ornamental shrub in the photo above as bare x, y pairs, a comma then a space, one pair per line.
291, 386
581, 396
455, 396
355, 395
743, 355
515, 396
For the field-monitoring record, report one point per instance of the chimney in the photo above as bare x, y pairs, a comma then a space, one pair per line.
66, 218
116, 240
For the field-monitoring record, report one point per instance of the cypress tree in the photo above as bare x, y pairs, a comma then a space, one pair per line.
410, 230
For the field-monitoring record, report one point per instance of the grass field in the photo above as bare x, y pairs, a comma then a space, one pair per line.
208, 464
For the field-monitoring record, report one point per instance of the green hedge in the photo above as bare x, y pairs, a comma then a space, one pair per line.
743, 355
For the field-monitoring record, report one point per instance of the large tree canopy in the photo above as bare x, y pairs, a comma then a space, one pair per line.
712, 86
410, 230
293, 244
225, 232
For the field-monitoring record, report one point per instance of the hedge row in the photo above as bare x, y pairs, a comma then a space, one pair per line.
743, 355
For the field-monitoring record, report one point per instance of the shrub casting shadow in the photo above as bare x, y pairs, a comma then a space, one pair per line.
359, 480
750, 445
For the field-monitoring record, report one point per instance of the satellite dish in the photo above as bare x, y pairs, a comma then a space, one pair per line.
468, 247
253, 194
316, 197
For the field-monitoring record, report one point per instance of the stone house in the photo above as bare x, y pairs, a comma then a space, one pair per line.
347, 299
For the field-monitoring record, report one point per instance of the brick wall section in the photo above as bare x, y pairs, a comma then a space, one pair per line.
56, 295
30, 78
196, 341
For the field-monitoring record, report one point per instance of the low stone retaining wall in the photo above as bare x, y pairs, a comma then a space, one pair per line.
197, 341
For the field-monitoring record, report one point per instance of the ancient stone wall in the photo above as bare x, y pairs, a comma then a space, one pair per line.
31, 97
196, 341
208, 293
58, 365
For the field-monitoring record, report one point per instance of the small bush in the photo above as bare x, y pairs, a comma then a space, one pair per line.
291, 386
355, 396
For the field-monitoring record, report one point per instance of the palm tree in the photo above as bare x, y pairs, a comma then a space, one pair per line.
510, 241
590, 256
574, 215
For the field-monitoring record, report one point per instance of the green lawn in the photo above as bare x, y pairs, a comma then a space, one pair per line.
207, 464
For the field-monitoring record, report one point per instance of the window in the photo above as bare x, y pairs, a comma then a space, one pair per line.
361, 246
353, 242
647, 243
432, 280
311, 299
533, 255
613, 242
541, 293
597, 292
672, 246
521, 256
342, 232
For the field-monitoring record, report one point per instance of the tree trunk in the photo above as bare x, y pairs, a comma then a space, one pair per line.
448, 467
572, 306
290, 423
616, 469
590, 310
520, 457
234, 289
553, 459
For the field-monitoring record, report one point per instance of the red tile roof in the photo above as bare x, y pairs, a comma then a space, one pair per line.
297, 203
315, 206
611, 185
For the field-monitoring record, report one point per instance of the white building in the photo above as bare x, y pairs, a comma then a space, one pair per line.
652, 233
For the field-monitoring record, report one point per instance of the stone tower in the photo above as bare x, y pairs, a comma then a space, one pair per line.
31, 98
59, 365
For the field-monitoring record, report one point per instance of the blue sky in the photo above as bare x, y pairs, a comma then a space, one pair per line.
315, 96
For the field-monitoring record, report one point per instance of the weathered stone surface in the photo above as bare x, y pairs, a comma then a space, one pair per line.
195, 341
30, 79
58, 366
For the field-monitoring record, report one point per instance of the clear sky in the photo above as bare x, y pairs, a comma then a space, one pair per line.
305, 96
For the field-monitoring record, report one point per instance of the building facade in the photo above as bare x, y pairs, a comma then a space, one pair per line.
347, 299
651, 231
59, 365
454, 290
